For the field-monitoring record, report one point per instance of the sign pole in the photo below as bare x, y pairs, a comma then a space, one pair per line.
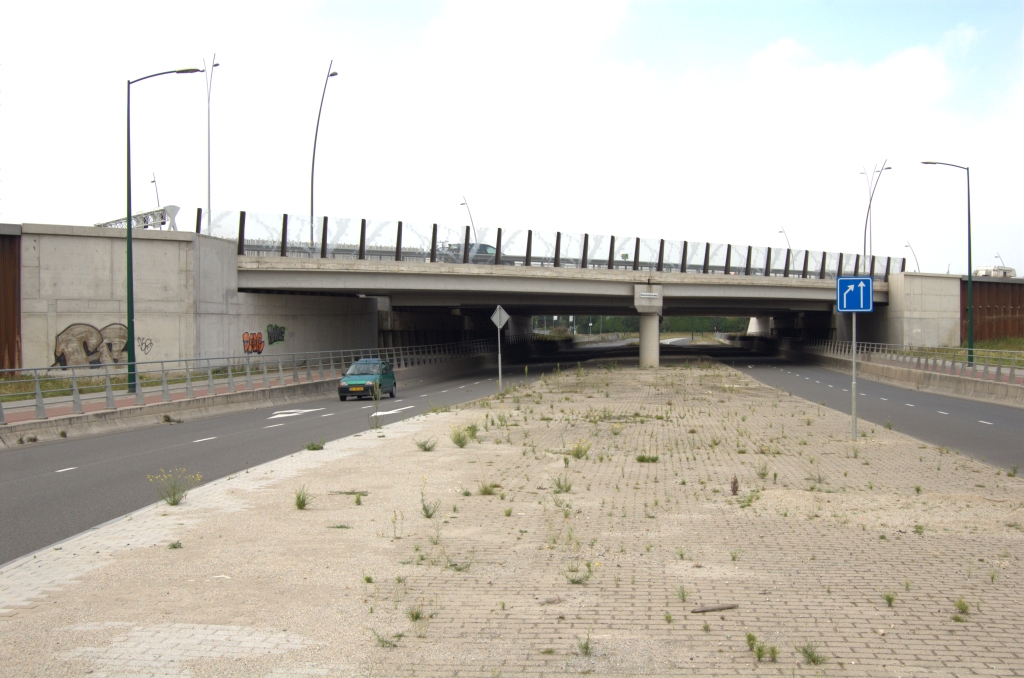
499, 360
499, 318
853, 383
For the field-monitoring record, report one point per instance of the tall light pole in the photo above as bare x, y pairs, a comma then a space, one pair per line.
970, 272
871, 195
915, 256
466, 203
130, 291
209, 89
312, 169
1000, 260
157, 189
783, 232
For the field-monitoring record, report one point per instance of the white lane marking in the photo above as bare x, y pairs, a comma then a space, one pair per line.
463, 386
909, 405
424, 395
941, 412
70, 468
816, 381
863, 394
444, 391
750, 367
273, 426
831, 386
407, 407
292, 413
884, 398
366, 407
203, 440
475, 383
986, 422
331, 414
846, 390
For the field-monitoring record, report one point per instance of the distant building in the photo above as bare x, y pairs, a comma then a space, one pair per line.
996, 272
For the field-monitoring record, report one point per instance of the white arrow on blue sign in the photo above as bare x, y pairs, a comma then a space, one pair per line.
855, 294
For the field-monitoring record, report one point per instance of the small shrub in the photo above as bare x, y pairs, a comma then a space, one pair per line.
584, 645
961, 606
173, 486
762, 470
580, 449
734, 487
647, 458
751, 641
174, 545
460, 437
773, 653
889, 597
317, 445
1012, 473
508, 511
302, 498
427, 445
64, 434
810, 654
472, 430
562, 484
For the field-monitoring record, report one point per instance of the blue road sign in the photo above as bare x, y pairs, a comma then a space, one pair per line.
855, 294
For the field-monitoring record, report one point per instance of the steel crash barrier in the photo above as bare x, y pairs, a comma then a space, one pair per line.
40, 393
985, 364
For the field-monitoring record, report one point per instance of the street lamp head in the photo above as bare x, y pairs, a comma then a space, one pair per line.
190, 70
333, 73
929, 162
215, 65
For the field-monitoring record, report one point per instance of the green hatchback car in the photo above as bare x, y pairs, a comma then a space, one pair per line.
363, 375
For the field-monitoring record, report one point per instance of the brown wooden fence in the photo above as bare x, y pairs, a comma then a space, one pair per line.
998, 308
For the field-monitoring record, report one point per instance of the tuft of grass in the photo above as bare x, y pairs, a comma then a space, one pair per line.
1012, 473
487, 489
584, 646
427, 445
918, 529
668, 617
562, 484
810, 654
302, 498
340, 526
761, 470
472, 430
415, 613
917, 489
173, 485
460, 437
647, 458
734, 554
64, 434
575, 576
429, 508
548, 650
580, 449
889, 597
773, 653
508, 511
961, 606
888, 424
317, 445
174, 545
681, 552
751, 641
384, 641
359, 500
368, 579
682, 593
959, 618
759, 651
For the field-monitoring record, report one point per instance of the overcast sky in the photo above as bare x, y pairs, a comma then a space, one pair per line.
713, 120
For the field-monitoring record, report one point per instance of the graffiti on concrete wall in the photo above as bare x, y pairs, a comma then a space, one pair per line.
145, 344
252, 342
82, 344
275, 334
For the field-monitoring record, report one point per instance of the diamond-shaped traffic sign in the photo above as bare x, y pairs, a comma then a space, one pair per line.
499, 317
855, 294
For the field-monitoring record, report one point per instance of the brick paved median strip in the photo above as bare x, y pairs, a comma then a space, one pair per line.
530, 578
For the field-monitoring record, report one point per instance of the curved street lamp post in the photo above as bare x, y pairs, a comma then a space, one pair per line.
970, 272
130, 291
916, 262
871, 196
312, 169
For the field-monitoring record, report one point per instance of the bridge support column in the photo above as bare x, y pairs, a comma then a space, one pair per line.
647, 300
650, 340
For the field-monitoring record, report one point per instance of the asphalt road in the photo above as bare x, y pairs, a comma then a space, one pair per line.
52, 491
986, 431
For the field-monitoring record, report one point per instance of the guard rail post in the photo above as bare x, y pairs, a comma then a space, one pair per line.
266, 379
320, 364
295, 368
309, 374
248, 375
108, 388
189, 393
165, 393
139, 398
211, 390
231, 377
40, 410
76, 398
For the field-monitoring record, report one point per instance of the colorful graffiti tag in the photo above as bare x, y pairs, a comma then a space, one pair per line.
275, 334
82, 344
252, 342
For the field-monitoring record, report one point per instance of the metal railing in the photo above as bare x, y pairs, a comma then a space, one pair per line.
979, 363
40, 393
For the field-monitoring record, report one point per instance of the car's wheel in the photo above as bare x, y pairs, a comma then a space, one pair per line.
394, 390
342, 398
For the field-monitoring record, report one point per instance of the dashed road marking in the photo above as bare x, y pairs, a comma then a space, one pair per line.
70, 468
884, 398
203, 440
986, 422
941, 412
909, 405
329, 414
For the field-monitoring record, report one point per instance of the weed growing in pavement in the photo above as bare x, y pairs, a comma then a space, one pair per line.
487, 489
647, 458
359, 500
889, 597
508, 512
750, 499
681, 552
751, 641
917, 489
888, 424
375, 394
548, 650
427, 445
340, 526
706, 627
734, 488
584, 646
415, 613
174, 545
302, 498
734, 555
668, 617
384, 641
428, 508
761, 470
472, 430
918, 529
317, 445
562, 484
437, 409
575, 576
682, 593
961, 606
173, 485
460, 437
959, 618
1012, 473
810, 654
368, 579
580, 449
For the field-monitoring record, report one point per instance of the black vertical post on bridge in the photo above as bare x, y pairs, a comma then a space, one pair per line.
611, 252
728, 259
362, 239
888, 265
839, 266
199, 220
558, 249
872, 270
433, 245
824, 261
856, 265
497, 249
636, 256
682, 263
661, 256
807, 260
529, 248
903, 266
323, 240
586, 247
398, 243
785, 269
241, 233
284, 235
768, 263
750, 256
465, 248
707, 256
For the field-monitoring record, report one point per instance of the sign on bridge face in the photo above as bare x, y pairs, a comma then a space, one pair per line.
855, 294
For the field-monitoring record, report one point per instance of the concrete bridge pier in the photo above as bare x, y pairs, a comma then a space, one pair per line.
648, 302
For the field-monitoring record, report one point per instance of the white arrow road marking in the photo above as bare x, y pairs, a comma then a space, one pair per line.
70, 468
986, 422
292, 413
407, 407
203, 440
